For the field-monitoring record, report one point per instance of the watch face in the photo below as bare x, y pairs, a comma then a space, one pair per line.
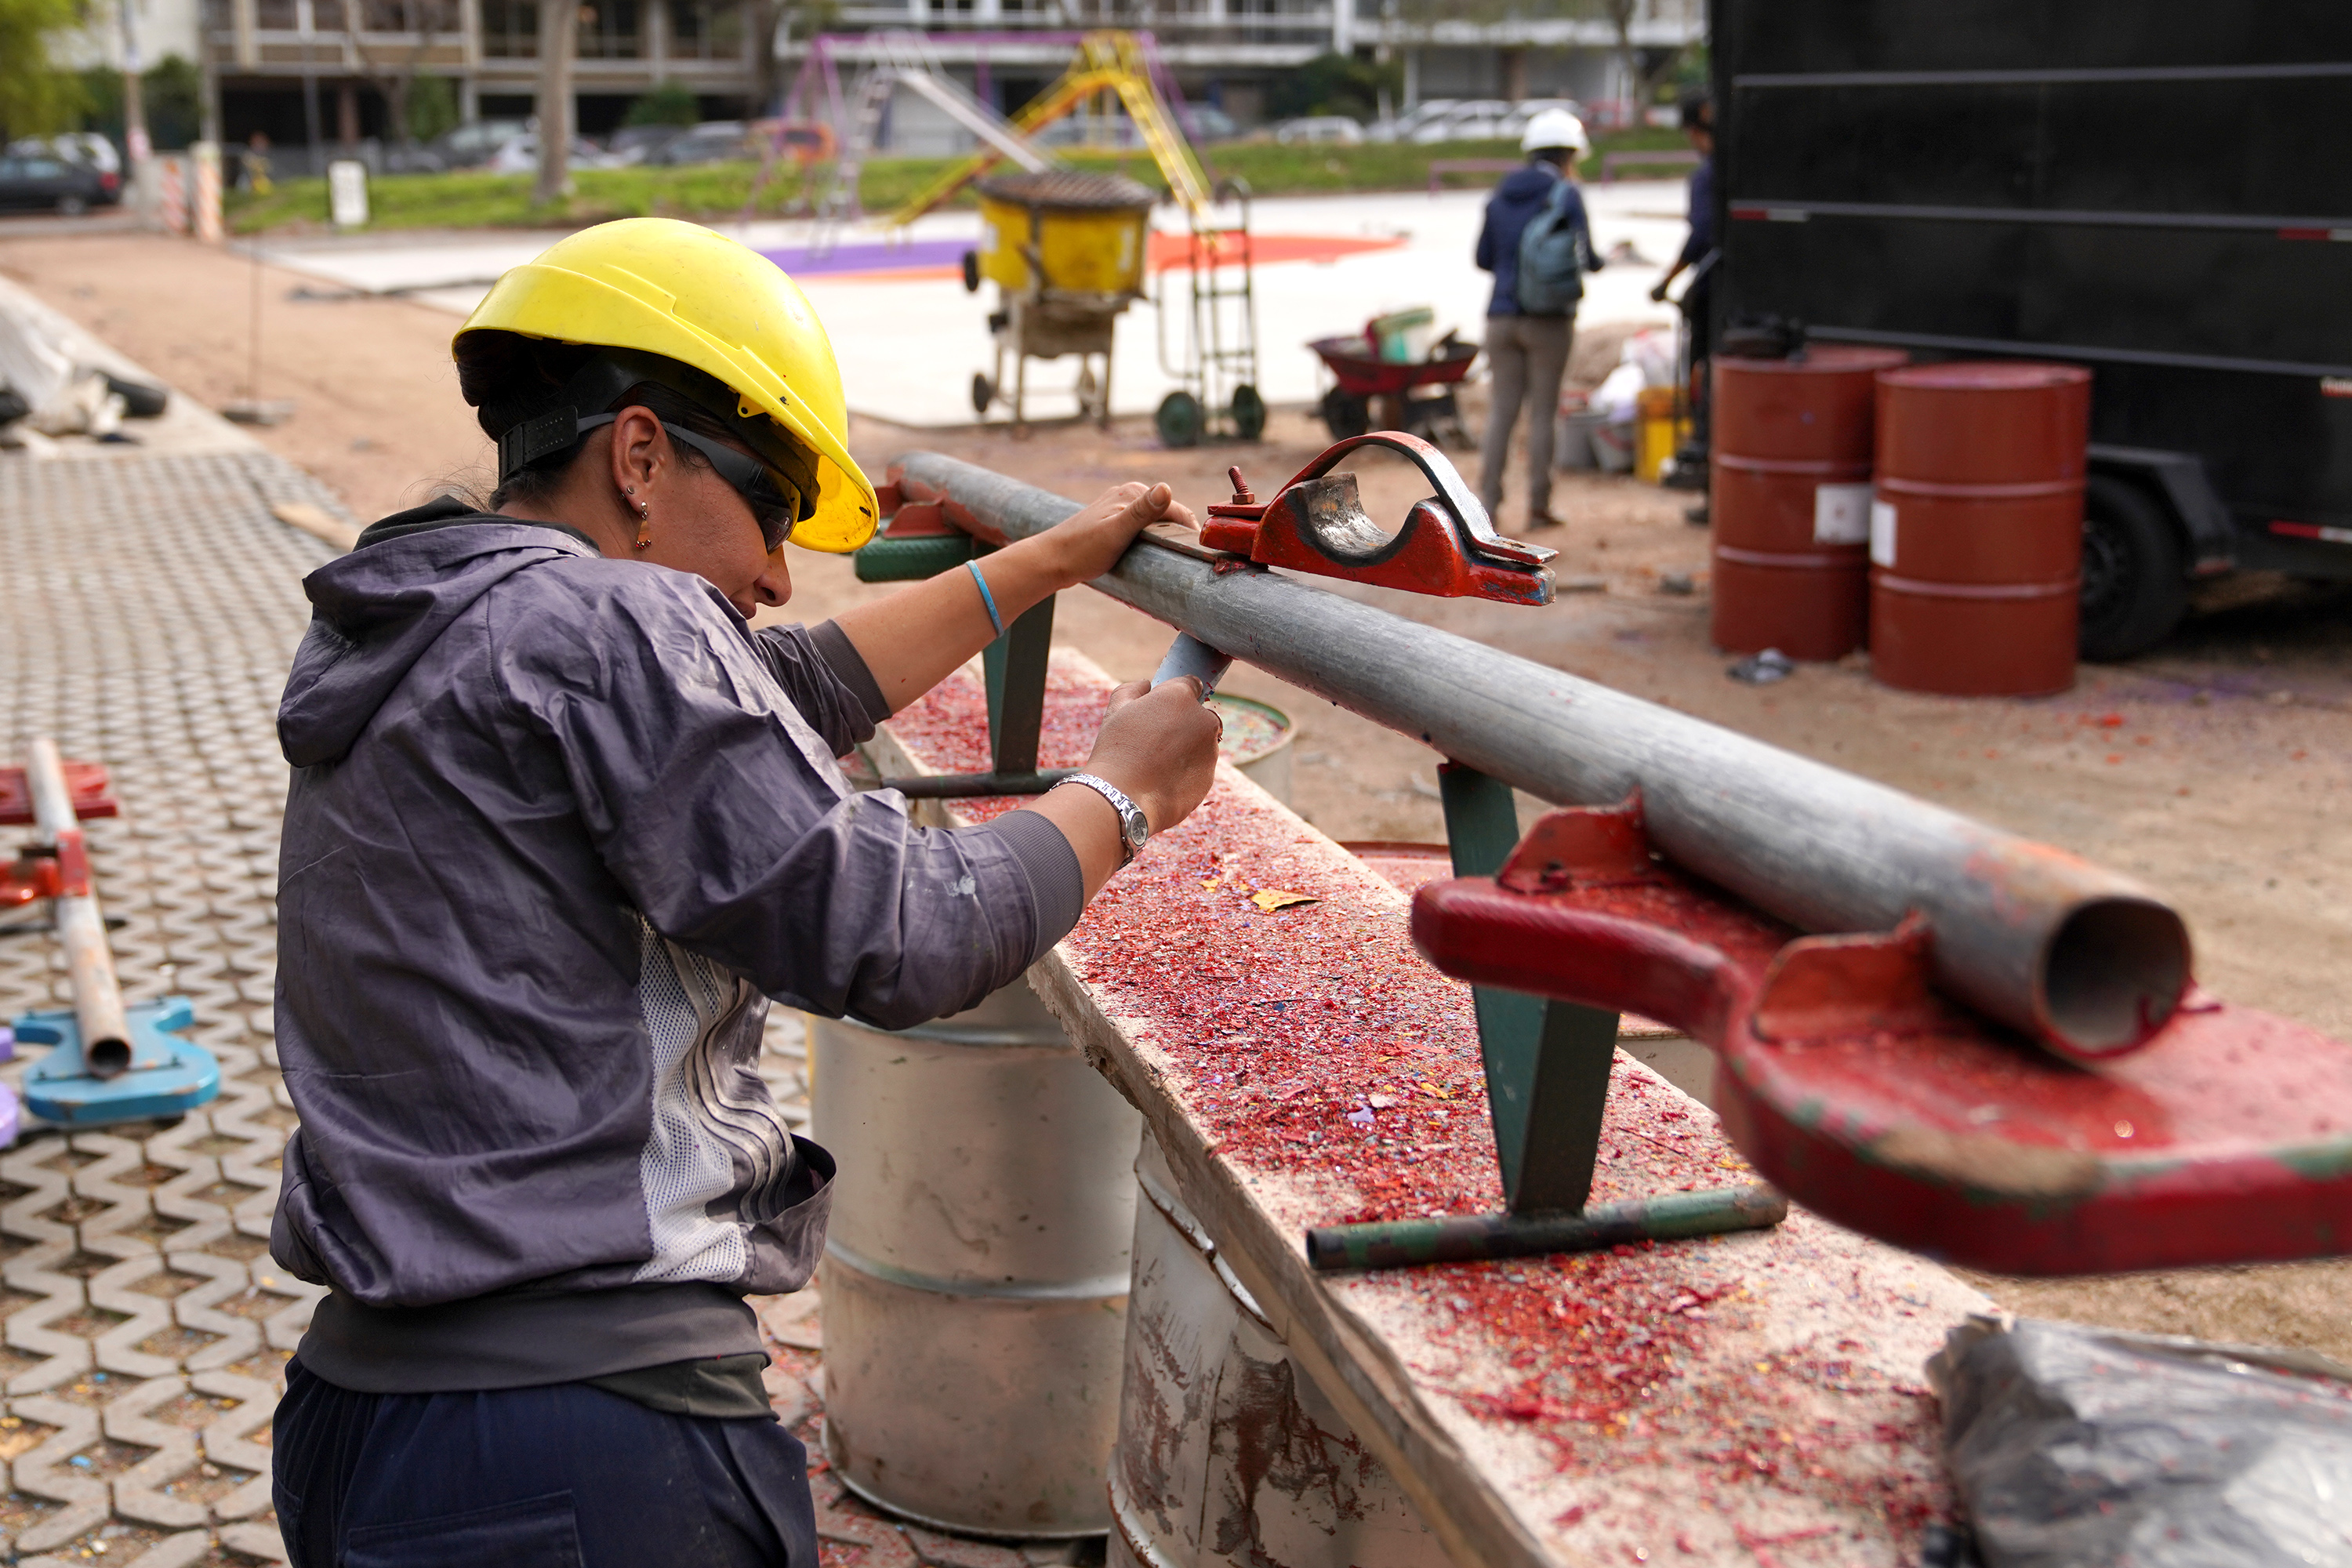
1138, 828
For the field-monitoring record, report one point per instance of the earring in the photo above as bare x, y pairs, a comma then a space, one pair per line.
643, 541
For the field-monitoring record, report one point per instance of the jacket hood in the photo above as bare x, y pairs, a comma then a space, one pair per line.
1528, 184
375, 611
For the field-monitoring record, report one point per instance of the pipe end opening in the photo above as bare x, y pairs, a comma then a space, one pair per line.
2114, 975
108, 1058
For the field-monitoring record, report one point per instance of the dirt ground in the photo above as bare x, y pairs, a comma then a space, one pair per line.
2209, 768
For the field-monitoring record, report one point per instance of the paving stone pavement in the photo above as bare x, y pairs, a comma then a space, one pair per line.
153, 605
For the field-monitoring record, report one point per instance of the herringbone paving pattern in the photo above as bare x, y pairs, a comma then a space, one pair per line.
153, 607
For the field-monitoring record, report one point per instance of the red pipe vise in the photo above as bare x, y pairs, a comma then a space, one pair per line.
1317, 523
1880, 1104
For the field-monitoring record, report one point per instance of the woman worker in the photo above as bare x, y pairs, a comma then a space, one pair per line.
559, 824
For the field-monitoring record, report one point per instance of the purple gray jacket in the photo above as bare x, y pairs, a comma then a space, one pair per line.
559, 827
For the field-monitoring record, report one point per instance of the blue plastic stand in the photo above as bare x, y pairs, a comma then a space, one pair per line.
168, 1075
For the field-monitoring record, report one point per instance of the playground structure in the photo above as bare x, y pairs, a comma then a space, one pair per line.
1040, 314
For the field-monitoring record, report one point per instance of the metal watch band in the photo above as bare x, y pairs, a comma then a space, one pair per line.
1134, 828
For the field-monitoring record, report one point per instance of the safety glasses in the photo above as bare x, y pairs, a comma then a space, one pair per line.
774, 501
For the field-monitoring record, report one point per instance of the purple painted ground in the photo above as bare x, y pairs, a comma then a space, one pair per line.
872, 257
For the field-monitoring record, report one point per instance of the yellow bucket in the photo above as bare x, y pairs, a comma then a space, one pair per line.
1086, 230
1657, 432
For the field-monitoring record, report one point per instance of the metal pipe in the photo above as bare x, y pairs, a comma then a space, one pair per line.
81, 927
1467, 1239
2088, 963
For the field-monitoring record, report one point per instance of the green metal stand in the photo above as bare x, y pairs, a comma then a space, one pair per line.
1014, 664
1548, 1065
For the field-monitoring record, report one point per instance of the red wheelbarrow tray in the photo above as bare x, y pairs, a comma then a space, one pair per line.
1362, 372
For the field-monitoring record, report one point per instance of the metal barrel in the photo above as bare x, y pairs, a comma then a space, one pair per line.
1791, 507
1229, 1456
1976, 544
2086, 961
976, 1269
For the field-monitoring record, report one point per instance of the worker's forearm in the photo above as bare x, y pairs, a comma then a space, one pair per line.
1090, 825
916, 637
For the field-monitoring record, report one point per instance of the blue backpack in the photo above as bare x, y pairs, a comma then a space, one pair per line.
1553, 259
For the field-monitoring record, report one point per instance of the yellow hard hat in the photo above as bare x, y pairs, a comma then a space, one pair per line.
677, 289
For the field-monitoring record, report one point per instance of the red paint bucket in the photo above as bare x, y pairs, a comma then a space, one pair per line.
1976, 540
1791, 505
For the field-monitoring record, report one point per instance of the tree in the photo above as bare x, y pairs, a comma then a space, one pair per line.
173, 88
432, 106
559, 33
37, 98
1644, 68
1334, 84
394, 76
669, 103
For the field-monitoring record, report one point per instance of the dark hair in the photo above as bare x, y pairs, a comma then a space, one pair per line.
508, 378
1558, 157
1699, 112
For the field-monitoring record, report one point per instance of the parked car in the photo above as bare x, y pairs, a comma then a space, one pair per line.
462, 147
1527, 109
1210, 123
639, 143
713, 142
45, 180
520, 155
1090, 131
1319, 128
1404, 126
1476, 119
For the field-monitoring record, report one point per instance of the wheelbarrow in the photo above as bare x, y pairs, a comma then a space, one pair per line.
1373, 390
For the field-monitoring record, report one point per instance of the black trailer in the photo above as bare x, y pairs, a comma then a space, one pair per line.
2158, 190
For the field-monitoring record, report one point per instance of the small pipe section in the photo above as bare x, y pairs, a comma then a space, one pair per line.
1468, 1238
81, 927
2088, 963
964, 786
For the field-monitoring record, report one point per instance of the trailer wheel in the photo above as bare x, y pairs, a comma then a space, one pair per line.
1345, 416
2135, 575
971, 272
1248, 412
983, 393
1179, 420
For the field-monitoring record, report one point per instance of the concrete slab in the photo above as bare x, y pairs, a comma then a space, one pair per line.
911, 339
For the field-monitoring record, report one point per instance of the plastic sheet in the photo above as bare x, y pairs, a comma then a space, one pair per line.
2081, 1448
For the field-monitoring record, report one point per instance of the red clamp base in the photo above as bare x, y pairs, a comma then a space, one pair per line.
1875, 1103
1316, 524
86, 782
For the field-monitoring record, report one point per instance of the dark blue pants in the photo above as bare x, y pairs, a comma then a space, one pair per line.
563, 1476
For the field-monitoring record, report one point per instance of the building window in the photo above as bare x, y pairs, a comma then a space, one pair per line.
608, 30
510, 29
219, 16
706, 30
399, 15
275, 15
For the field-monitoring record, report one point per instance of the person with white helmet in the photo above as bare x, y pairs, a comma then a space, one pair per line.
560, 823
1530, 320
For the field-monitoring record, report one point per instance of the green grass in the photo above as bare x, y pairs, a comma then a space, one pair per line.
713, 192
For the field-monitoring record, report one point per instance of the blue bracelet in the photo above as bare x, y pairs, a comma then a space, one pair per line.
986, 599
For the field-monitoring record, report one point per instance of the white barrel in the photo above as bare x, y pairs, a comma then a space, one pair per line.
1229, 1456
976, 1269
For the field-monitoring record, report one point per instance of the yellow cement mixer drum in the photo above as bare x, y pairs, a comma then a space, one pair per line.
1086, 231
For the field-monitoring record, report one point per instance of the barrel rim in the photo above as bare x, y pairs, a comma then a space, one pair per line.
1984, 375
1848, 558
1922, 588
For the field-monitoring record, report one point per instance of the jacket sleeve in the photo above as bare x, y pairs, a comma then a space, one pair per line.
826, 679
1485, 255
721, 819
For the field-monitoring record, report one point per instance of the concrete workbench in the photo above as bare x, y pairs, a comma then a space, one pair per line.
1755, 1398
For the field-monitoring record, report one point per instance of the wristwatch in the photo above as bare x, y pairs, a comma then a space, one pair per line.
1134, 826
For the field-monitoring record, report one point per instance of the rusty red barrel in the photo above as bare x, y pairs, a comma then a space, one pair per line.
1791, 499
1976, 531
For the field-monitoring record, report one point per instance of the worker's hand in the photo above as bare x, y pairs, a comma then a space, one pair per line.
1160, 747
1083, 546
1659, 294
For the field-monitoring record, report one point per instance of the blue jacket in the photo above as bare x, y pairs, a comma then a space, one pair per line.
1702, 215
1509, 210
